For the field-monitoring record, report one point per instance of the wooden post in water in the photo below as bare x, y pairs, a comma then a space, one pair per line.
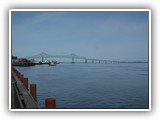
21, 77
33, 91
50, 103
18, 74
25, 82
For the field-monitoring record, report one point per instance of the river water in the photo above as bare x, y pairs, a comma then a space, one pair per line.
91, 85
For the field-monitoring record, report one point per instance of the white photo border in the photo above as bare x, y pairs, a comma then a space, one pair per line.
67, 10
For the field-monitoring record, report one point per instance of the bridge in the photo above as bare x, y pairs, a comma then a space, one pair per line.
72, 56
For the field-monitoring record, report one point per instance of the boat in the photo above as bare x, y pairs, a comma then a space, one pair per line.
52, 64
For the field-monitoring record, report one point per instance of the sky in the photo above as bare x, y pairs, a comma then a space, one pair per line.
107, 35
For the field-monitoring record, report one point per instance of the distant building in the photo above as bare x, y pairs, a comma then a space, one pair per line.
14, 57
22, 62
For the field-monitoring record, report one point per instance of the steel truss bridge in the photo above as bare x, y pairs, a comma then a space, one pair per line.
72, 56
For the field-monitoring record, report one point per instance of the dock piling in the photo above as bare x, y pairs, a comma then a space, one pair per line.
21, 77
50, 103
21, 86
33, 91
25, 82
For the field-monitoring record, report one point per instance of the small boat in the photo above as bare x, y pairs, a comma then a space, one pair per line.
52, 64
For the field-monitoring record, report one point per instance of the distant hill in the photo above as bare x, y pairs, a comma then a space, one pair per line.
133, 62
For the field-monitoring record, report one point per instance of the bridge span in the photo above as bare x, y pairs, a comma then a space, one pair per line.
72, 56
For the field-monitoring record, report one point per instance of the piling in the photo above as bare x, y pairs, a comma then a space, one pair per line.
50, 103
25, 82
18, 74
33, 91
21, 77
27, 101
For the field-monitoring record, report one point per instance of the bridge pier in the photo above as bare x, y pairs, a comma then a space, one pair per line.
72, 60
85, 60
42, 59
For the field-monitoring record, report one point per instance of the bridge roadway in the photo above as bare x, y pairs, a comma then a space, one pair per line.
72, 56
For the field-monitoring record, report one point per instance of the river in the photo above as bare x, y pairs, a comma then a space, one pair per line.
91, 85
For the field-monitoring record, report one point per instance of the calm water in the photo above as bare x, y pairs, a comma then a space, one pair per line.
90, 85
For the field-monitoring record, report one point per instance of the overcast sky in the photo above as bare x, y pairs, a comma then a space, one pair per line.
102, 35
